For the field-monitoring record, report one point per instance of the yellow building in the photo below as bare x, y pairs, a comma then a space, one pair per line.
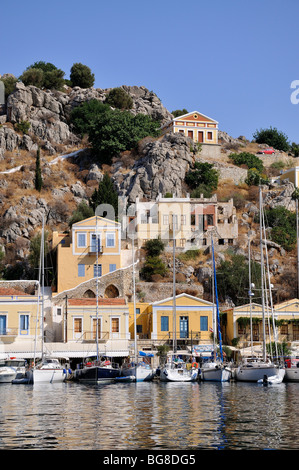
19, 313
194, 319
286, 316
195, 125
93, 248
113, 325
143, 320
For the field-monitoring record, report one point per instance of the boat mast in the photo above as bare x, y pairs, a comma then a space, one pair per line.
250, 294
134, 299
262, 274
173, 287
97, 290
43, 282
213, 300
217, 306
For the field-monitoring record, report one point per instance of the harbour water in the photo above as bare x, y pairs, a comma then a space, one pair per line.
153, 416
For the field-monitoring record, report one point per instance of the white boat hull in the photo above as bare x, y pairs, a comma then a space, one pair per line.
256, 372
139, 372
178, 375
216, 374
292, 374
48, 376
7, 375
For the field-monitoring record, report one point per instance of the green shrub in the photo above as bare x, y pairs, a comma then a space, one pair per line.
114, 131
43, 75
202, 174
83, 116
119, 98
283, 226
248, 159
154, 247
153, 265
82, 212
9, 85
179, 112
255, 178
22, 126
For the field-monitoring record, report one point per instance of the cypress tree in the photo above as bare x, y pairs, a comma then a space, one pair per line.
105, 194
38, 182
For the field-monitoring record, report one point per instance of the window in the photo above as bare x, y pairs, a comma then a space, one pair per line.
137, 311
115, 325
2, 324
95, 243
210, 219
139, 328
94, 328
203, 323
165, 219
97, 270
210, 135
110, 239
164, 323
59, 311
81, 270
24, 324
183, 220
112, 267
81, 240
78, 324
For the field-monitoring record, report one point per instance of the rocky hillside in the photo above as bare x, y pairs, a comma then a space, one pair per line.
70, 174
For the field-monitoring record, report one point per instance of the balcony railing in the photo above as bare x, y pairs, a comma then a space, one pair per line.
94, 249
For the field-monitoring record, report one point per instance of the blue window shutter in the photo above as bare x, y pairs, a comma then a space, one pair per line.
112, 267
81, 270
203, 323
164, 323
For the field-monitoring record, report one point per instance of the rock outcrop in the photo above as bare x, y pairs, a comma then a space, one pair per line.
161, 169
48, 112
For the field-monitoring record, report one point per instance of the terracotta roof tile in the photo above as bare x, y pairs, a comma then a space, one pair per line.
11, 291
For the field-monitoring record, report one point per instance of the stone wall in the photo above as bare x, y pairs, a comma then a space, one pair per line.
121, 279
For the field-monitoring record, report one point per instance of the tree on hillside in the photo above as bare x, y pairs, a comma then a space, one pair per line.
179, 112
105, 194
233, 279
38, 181
82, 212
273, 138
203, 174
81, 76
114, 131
9, 84
43, 75
82, 117
119, 98
283, 226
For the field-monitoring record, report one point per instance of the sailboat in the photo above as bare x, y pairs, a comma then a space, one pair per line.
138, 370
254, 369
49, 369
177, 367
102, 370
215, 370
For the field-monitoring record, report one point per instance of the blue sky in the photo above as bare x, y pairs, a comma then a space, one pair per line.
232, 60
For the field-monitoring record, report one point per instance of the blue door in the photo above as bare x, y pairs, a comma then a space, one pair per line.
184, 327
2, 324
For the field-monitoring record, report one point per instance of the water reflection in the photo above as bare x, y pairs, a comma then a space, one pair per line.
158, 416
